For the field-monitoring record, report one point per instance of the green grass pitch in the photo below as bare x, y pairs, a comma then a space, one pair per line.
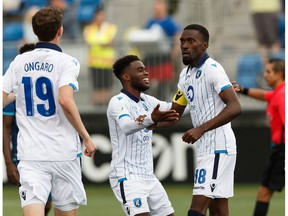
101, 201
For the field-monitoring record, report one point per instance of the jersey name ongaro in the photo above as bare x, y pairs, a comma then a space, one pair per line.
35, 78
132, 145
201, 86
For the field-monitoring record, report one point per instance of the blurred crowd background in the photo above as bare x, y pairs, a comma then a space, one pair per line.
97, 32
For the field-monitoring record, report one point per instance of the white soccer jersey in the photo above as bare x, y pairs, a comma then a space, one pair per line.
131, 143
35, 78
201, 86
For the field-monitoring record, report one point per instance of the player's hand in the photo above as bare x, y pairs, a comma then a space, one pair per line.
90, 148
236, 86
160, 116
192, 135
140, 119
12, 173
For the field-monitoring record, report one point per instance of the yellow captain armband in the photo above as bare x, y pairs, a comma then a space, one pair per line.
179, 98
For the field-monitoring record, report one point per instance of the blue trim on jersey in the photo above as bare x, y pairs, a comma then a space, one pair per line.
48, 46
122, 179
132, 97
73, 86
221, 151
79, 154
8, 113
10, 109
123, 115
225, 87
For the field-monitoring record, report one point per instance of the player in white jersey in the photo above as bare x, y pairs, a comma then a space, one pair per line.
49, 148
131, 174
205, 88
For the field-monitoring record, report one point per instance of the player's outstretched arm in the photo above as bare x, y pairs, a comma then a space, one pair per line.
71, 112
164, 116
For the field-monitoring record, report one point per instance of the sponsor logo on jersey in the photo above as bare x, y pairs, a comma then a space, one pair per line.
137, 202
119, 98
146, 138
190, 93
199, 188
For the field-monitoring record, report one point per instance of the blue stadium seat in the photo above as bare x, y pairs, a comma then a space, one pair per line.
87, 9
12, 31
281, 30
278, 55
249, 70
10, 51
6, 63
38, 3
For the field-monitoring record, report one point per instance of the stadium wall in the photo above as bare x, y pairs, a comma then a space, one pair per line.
174, 160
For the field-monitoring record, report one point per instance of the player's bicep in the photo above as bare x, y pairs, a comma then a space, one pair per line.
65, 94
228, 95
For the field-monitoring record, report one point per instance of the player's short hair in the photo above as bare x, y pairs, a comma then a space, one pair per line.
203, 31
120, 64
46, 23
279, 66
26, 48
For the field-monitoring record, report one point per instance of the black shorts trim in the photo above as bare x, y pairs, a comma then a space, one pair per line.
216, 165
122, 192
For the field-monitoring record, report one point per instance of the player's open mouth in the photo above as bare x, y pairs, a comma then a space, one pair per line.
146, 80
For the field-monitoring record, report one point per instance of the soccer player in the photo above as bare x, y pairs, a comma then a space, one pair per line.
42, 82
205, 87
273, 178
130, 113
10, 131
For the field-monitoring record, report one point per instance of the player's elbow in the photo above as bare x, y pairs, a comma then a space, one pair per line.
64, 102
237, 110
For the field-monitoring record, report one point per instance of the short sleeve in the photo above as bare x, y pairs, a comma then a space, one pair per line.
218, 77
70, 73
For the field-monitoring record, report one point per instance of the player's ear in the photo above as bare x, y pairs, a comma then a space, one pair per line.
60, 32
205, 45
125, 76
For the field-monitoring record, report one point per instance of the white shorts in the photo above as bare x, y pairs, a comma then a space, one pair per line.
62, 178
214, 175
139, 196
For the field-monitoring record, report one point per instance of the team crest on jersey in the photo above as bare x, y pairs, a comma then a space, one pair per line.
198, 73
137, 202
145, 107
